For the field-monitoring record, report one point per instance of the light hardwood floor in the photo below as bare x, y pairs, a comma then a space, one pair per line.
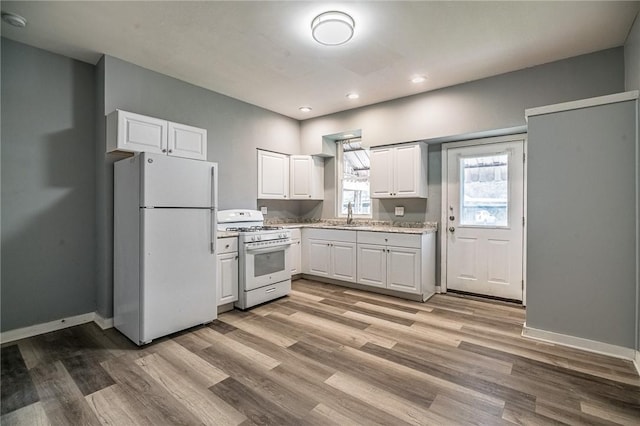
323, 355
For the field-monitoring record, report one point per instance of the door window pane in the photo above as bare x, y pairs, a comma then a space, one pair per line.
484, 191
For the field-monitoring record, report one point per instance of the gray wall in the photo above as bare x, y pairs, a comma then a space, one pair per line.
632, 57
632, 82
48, 209
581, 260
491, 103
478, 107
235, 130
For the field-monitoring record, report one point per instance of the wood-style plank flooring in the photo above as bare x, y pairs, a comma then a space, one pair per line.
325, 355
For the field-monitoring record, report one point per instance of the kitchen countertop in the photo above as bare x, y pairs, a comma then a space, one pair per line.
227, 234
428, 229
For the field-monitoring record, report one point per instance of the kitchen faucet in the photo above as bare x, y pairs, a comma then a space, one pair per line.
349, 213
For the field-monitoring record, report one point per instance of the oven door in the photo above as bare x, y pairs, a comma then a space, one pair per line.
264, 266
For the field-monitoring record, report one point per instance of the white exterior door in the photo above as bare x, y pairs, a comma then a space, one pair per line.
485, 215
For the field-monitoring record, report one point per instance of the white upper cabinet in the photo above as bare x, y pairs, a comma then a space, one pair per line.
295, 177
306, 178
187, 141
399, 172
273, 175
130, 132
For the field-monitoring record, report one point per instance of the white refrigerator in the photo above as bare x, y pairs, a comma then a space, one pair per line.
164, 245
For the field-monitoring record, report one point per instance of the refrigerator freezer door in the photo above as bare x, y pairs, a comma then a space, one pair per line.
178, 273
177, 182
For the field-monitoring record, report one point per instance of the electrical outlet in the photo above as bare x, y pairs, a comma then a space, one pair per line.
399, 211
263, 209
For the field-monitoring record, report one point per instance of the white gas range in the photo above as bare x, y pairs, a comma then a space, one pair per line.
264, 270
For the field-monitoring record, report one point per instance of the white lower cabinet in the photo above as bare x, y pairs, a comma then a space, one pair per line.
395, 268
330, 254
295, 252
227, 270
394, 261
372, 265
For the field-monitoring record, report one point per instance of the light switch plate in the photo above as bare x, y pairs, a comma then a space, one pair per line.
399, 211
263, 209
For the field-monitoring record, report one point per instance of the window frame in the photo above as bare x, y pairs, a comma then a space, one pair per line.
339, 181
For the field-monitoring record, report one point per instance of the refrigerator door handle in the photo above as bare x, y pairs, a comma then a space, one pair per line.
214, 222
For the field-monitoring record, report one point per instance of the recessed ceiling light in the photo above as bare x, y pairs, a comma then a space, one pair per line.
305, 109
14, 19
352, 95
418, 79
332, 28
348, 135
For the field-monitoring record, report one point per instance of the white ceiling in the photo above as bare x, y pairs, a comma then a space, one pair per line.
263, 53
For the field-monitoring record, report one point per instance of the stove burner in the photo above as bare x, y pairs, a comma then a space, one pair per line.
254, 228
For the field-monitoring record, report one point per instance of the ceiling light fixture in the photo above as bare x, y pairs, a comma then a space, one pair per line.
332, 28
418, 79
352, 95
305, 109
14, 19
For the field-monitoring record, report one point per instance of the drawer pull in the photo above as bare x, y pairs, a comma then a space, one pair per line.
270, 290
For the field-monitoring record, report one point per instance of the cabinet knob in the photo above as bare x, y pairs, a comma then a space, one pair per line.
452, 229
227, 246
164, 150
309, 195
170, 151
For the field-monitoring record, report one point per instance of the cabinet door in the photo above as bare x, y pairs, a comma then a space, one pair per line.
273, 175
294, 257
227, 278
381, 173
343, 261
372, 265
187, 141
139, 133
403, 269
318, 255
300, 178
406, 171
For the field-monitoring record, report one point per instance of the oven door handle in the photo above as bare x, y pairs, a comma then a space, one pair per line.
267, 249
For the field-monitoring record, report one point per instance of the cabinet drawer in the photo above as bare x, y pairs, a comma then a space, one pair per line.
390, 239
331, 234
295, 233
226, 245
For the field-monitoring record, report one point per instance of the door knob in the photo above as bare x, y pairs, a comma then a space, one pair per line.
452, 229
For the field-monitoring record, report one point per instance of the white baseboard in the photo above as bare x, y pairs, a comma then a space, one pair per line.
47, 327
103, 322
580, 343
